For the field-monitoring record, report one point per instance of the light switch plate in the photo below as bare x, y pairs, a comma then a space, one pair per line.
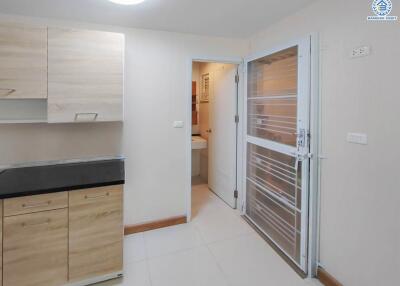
360, 52
357, 138
178, 124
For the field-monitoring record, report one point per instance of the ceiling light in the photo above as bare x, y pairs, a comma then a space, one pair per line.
127, 2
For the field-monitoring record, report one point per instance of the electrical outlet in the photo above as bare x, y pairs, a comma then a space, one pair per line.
360, 52
357, 138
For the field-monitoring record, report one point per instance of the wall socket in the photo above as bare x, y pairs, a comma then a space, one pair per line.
357, 138
360, 52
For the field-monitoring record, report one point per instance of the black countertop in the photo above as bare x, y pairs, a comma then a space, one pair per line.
40, 178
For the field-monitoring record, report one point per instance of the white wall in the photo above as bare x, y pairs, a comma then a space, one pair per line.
157, 91
360, 215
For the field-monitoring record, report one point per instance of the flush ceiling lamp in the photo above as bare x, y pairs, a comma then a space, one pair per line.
127, 2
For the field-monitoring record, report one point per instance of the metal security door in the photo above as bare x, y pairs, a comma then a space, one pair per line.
277, 147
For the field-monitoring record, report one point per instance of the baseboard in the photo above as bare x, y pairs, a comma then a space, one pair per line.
141, 227
325, 278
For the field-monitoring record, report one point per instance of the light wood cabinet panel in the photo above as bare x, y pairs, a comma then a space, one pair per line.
35, 249
95, 232
85, 75
1, 242
23, 61
37, 203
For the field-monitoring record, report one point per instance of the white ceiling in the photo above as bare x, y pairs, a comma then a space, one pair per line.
229, 18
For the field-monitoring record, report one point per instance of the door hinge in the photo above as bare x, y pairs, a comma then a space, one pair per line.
236, 194
236, 118
237, 78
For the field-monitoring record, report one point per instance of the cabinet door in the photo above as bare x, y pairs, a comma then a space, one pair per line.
1, 242
85, 75
23, 61
95, 232
35, 249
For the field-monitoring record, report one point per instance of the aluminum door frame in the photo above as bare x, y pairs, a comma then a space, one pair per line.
304, 105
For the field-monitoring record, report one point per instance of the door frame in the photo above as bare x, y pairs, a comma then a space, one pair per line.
188, 135
313, 226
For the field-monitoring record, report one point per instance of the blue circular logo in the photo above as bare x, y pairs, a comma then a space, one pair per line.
382, 7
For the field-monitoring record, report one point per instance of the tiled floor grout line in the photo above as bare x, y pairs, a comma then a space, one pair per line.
218, 265
146, 252
206, 246
148, 271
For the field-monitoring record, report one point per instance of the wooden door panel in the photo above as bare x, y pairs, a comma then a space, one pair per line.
23, 61
85, 75
36, 249
96, 232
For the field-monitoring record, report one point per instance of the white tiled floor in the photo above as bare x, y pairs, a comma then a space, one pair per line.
217, 248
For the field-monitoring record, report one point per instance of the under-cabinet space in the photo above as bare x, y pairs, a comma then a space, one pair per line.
95, 232
23, 111
23, 61
35, 249
85, 81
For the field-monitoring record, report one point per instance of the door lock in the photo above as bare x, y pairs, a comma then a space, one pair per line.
301, 138
302, 157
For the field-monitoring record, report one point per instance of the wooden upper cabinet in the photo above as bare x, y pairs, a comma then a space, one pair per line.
23, 61
85, 75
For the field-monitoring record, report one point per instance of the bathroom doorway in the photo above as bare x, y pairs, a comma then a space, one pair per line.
214, 106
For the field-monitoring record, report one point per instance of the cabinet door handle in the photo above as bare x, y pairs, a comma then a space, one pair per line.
87, 197
36, 205
8, 91
86, 116
47, 221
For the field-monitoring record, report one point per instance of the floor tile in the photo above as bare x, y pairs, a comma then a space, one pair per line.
216, 248
135, 274
249, 260
134, 248
172, 239
312, 282
195, 267
219, 225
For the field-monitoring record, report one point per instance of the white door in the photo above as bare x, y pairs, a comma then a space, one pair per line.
277, 147
222, 133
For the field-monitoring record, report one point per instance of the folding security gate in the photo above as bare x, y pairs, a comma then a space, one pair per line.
277, 147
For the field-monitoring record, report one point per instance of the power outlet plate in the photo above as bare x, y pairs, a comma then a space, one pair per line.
357, 138
360, 52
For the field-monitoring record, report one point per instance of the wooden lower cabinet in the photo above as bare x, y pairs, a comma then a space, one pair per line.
1, 242
95, 232
35, 249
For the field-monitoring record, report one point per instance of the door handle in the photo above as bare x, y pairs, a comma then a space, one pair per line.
86, 116
302, 157
87, 197
25, 224
44, 204
8, 91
